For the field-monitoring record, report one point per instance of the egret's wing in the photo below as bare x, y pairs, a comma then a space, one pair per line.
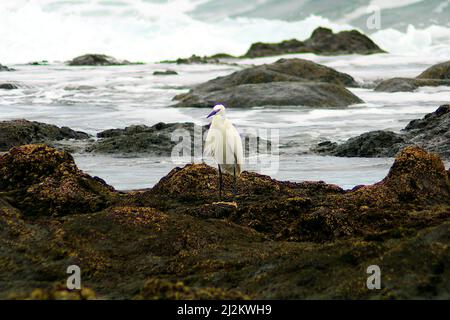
211, 140
234, 145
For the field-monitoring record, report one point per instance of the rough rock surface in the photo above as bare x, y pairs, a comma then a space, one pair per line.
97, 60
437, 75
431, 133
281, 240
322, 41
285, 82
17, 132
44, 181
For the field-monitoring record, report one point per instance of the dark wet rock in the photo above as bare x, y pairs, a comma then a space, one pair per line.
313, 94
283, 70
408, 84
8, 86
437, 75
371, 144
432, 133
155, 140
438, 71
281, 240
17, 132
97, 60
195, 59
5, 68
285, 82
322, 41
165, 73
39, 63
44, 181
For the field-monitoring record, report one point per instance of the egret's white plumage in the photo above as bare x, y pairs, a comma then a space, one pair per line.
224, 144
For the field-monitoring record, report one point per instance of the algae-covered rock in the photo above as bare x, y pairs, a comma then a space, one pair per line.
44, 181
18, 132
279, 240
157, 289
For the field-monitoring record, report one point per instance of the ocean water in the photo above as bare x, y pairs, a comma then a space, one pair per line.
93, 99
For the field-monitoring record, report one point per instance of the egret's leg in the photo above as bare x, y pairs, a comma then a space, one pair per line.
234, 183
220, 183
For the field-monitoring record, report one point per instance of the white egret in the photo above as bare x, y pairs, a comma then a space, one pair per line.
224, 144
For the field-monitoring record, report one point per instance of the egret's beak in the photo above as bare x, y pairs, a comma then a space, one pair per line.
211, 114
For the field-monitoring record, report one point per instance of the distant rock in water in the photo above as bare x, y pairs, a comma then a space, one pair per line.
97, 60
39, 63
312, 94
5, 68
155, 140
322, 41
194, 59
437, 75
136, 139
431, 133
18, 132
287, 82
165, 73
8, 86
438, 71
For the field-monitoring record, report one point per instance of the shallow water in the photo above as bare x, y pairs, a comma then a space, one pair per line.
93, 99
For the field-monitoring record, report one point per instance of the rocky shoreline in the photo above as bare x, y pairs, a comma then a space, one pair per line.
432, 133
280, 240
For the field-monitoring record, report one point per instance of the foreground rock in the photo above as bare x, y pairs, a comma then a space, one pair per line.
437, 75
287, 82
17, 132
322, 41
156, 140
431, 133
282, 240
40, 180
97, 60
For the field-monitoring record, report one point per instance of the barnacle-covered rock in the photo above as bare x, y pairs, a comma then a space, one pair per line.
44, 181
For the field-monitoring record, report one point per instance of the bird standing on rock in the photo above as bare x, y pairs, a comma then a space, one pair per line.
224, 144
